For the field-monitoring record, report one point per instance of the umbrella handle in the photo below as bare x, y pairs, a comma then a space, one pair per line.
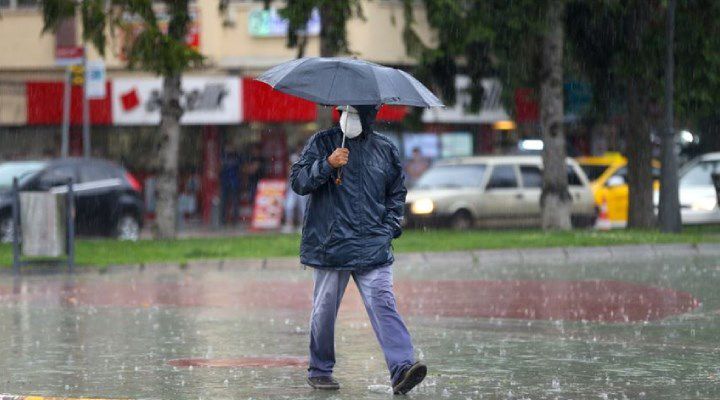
338, 180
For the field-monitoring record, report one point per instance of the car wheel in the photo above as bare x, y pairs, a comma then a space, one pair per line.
462, 220
127, 228
7, 230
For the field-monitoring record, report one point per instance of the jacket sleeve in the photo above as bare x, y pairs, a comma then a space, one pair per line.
312, 170
395, 196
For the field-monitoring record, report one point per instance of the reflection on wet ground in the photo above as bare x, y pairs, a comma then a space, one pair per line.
597, 330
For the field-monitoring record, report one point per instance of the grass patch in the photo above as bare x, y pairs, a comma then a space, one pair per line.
100, 253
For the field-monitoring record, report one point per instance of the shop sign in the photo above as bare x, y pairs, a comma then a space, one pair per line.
68, 55
205, 101
269, 23
491, 108
269, 201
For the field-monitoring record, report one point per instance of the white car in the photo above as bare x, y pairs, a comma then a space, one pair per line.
698, 199
492, 191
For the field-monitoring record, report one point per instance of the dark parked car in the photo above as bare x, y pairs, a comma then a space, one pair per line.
108, 201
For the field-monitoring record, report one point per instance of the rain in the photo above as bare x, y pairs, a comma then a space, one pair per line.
359, 199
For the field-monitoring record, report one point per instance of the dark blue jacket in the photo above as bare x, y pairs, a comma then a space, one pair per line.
350, 226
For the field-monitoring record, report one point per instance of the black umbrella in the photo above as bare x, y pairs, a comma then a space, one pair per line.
348, 81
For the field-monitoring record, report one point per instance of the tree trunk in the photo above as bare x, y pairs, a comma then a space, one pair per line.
669, 212
639, 154
328, 48
168, 151
555, 199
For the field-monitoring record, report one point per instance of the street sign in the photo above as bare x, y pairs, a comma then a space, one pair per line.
95, 79
68, 55
77, 74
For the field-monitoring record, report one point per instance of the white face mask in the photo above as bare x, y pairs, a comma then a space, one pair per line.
350, 123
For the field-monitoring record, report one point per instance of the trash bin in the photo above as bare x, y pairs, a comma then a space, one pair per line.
43, 224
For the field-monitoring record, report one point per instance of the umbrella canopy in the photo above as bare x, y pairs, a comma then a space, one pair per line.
348, 81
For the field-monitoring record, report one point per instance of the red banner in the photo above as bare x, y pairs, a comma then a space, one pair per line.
45, 105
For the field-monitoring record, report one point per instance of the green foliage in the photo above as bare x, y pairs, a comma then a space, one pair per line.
479, 38
162, 51
616, 42
334, 15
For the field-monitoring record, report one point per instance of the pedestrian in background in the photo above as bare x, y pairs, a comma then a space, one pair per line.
253, 170
294, 203
357, 197
416, 166
230, 187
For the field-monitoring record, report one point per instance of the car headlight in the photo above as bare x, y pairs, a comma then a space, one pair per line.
706, 204
422, 206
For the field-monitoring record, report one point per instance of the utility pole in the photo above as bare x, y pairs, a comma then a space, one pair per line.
85, 108
65, 146
669, 209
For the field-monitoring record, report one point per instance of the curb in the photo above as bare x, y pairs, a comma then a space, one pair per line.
12, 397
488, 257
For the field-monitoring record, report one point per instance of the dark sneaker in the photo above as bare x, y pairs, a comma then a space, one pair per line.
323, 383
410, 378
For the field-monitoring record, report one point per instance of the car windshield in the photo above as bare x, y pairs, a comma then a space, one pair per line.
452, 176
700, 174
19, 169
593, 171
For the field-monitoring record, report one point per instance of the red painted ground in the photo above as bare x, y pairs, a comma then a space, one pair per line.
608, 301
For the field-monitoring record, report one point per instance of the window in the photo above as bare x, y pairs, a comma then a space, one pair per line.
503, 177
452, 176
96, 172
531, 176
573, 178
700, 174
593, 172
57, 176
22, 170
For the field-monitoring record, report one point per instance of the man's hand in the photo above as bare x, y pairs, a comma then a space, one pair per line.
339, 157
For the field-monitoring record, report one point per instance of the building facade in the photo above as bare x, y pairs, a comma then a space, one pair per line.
226, 111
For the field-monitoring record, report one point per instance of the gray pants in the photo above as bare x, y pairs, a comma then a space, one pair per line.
376, 288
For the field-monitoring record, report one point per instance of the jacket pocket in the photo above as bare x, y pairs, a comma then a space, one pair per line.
330, 235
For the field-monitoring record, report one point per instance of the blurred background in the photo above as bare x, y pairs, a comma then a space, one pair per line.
89, 79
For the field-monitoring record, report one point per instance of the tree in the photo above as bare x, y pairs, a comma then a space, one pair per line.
621, 47
162, 51
616, 44
669, 211
555, 198
524, 47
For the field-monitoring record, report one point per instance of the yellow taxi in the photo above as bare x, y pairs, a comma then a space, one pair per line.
608, 181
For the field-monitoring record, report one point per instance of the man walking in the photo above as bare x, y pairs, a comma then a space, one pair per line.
356, 201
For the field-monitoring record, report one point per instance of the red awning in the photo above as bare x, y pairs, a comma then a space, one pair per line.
45, 105
263, 104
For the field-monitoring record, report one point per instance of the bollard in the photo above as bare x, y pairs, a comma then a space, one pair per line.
16, 225
70, 229
716, 183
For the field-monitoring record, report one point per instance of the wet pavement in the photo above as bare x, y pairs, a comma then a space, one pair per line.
527, 331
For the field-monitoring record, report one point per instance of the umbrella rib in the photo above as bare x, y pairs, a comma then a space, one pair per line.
337, 66
291, 70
